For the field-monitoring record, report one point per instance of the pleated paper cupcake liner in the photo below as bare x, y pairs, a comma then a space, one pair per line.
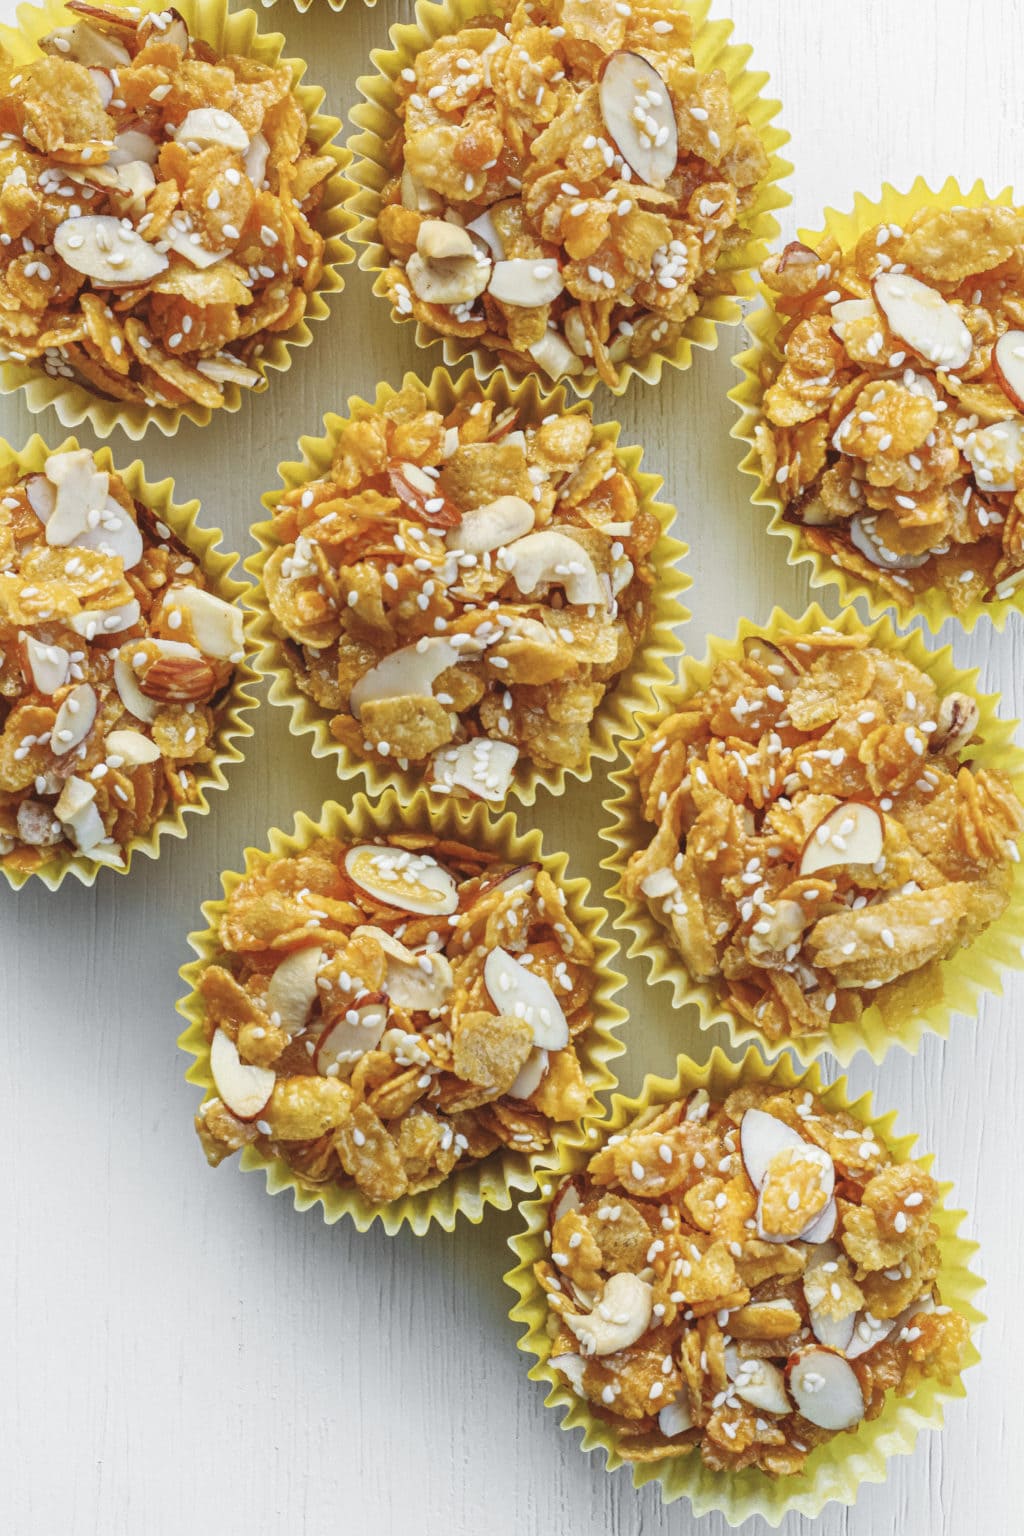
966, 975
763, 326
377, 123
226, 32
491, 1181
634, 690
232, 729
834, 1471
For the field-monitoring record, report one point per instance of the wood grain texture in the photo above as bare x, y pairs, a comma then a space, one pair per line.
180, 1353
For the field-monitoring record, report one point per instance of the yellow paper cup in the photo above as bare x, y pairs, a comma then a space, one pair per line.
226, 32
217, 565
377, 122
635, 688
304, 5
834, 1471
490, 1181
965, 976
759, 363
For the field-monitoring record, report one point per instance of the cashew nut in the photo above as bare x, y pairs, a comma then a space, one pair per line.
620, 1317
447, 267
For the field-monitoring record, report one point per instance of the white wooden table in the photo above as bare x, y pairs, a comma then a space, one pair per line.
180, 1353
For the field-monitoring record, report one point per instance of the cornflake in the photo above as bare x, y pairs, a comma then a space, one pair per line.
567, 187
155, 209
820, 845
462, 590
383, 1013
803, 1295
892, 426
115, 663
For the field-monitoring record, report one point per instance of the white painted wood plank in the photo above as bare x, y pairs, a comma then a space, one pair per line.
181, 1353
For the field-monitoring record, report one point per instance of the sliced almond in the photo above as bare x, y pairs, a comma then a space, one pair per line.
639, 115
530, 1075
204, 127
225, 369
415, 982
105, 250
853, 833
807, 1154
771, 658
111, 531
1008, 366
74, 720
676, 1418
923, 319
486, 230
409, 672
343, 1042
834, 1332
419, 198
447, 266
126, 681
825, 1388
762, 1137
104, 85
762, 1385
521, 878
129, 749
864, 538
439, 240
80, 490
823, 1226
244, 1088
106, 621
188, 244
42, 496
479, 769
867, 1331
77, 813
256, 157
548, 558
46, 666
133, 146
565, 1199
571, 1367
217, 626
86, 45
526, 282
995, 454
848, 310
514, 989
413, 882
491, 526
554, 354
292, 990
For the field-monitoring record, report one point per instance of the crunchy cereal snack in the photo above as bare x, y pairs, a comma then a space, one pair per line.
892, 423
460, 591
115, 659
822, 844
156, 208
567, 187
384, 1012
745, 1279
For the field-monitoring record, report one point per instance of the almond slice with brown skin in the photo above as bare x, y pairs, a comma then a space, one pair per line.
1008, 366
45, 666
244, 1088
923, 319
126, 678
853, 833
530, 1076
639, 116
217, 625
771, 658
105, 250
514, 989
358, 1031
413, 882
865, 540
825, 1388
762, 1137
415, 982
565, 1199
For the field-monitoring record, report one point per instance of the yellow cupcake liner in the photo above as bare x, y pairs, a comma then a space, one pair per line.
834, 1471
634, 690
966, 975
226, 32
490, 1181
217, 565
304, 5
376, 119
763, 326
